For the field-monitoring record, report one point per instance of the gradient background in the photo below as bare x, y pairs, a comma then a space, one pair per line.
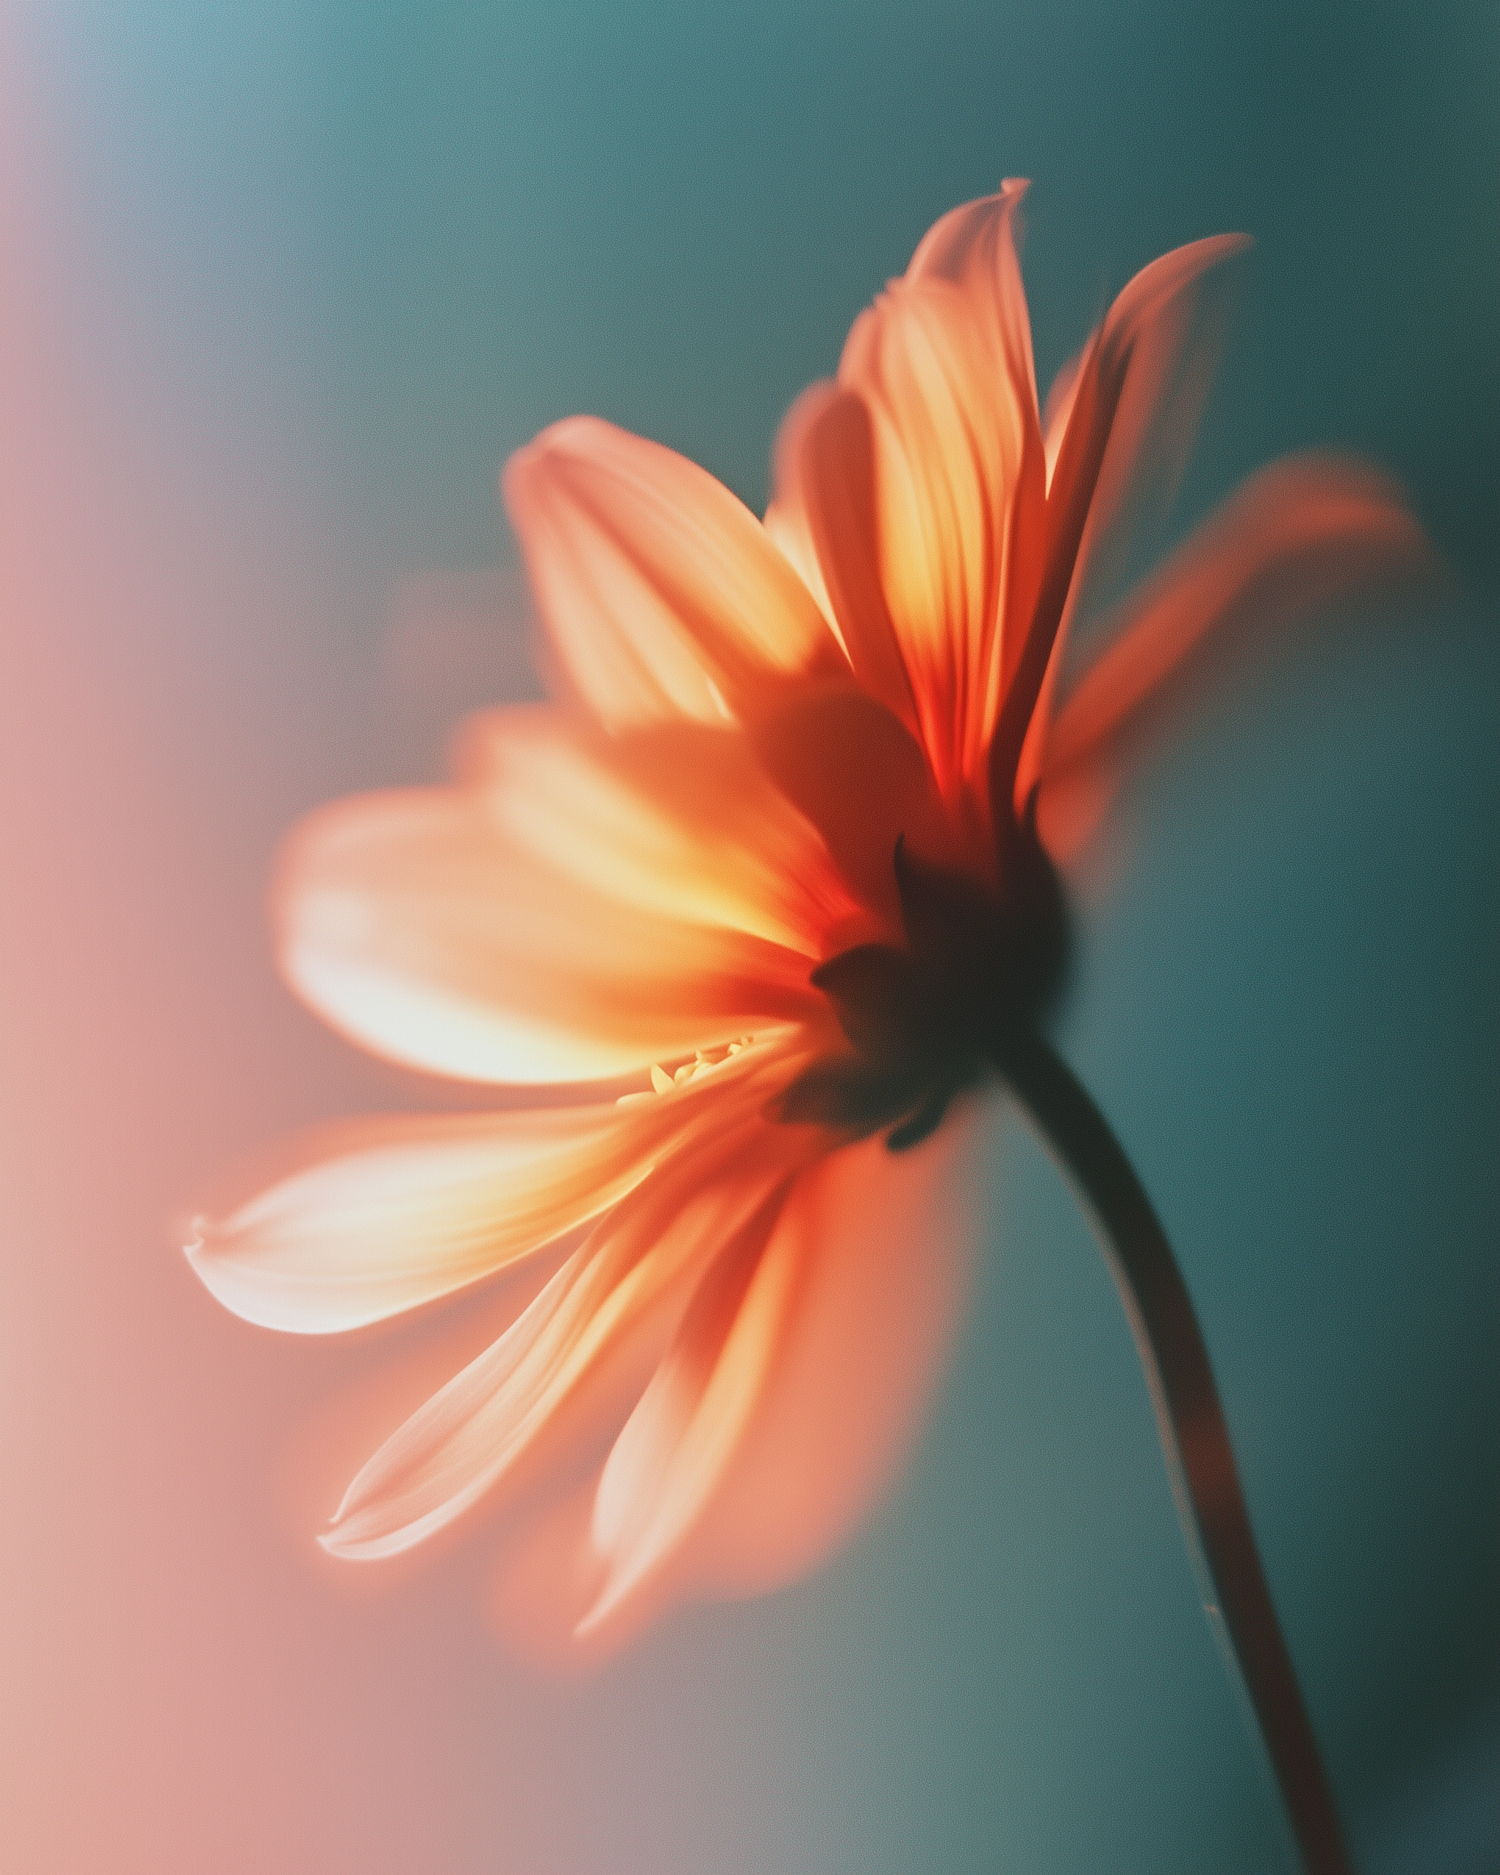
280, 287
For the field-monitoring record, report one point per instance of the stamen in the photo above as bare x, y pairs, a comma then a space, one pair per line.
704, 1061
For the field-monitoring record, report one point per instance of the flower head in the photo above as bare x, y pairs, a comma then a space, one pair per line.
787, 851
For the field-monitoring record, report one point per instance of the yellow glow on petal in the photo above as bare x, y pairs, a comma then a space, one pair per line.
420, 1025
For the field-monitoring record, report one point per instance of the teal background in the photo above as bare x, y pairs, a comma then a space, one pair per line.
345, 259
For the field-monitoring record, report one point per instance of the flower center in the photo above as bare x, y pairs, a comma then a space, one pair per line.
978, 969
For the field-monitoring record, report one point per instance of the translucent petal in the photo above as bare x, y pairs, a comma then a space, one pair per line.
390, 1214
885, 1242
796, 1380
662, 594
1131, 408
1289, 540
826, 496
943, 360
916, 485
674, 1448
611, 1307
678, 818
461, 931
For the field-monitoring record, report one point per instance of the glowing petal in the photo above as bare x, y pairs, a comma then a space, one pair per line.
943, 361
420, 924
663, 595
826, 497
787, 520
600, 1323
677, 819
393, 1213
675, 1446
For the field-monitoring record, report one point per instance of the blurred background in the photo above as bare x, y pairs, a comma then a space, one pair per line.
281, 285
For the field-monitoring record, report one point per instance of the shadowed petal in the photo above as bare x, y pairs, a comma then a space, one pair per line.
438, 927
1290, 539
662, 594
860, 777
1134, 408
1130, 419
1057, 413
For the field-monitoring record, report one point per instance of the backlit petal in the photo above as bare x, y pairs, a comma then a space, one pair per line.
691, 1419
943, 361
390, 1214
1130, 421
439, 927
797, 1379
786, 517
911, 492
1289, 540
860, 777
885, 1243
827, 501
676, 818
662, 594
601, 1322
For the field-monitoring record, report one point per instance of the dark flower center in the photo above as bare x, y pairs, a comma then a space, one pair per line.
978, 969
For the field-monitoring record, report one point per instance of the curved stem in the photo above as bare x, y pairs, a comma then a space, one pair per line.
1194, 1435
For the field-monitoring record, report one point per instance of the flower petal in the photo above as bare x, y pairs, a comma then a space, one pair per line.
826, 504
943, 361
911, 493
674, 1448
1135, 406
1290, 539
662, 594
386, 1215
796, 1381
490, 934
1057, 412
887, 1243
604, 1317
859, 776
1131, 411
786, 519
674, 818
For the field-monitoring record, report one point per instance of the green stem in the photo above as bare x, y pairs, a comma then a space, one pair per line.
1194, 1435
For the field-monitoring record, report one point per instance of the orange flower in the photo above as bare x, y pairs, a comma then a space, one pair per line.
789, 847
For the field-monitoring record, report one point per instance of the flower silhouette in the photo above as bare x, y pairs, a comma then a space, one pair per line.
789, 846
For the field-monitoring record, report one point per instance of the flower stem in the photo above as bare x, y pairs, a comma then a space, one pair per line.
1194, 1435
